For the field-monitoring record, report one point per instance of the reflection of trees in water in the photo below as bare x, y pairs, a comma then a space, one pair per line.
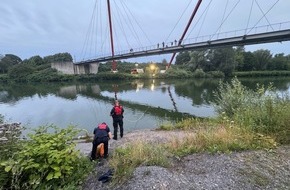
21, 90
199, 90
280, 83
155, 111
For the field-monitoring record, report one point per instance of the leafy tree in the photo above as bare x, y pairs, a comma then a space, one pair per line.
59, 57
182, 58
222, 59
34, 61
248, 63
239, 56
263, 58
278, 62
8, 61
164, 62
198, 59
20, 72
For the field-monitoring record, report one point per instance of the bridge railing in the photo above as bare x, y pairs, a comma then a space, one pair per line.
205, 38
222, 35
241, 32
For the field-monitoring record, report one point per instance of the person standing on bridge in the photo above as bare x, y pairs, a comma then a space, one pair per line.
117, 115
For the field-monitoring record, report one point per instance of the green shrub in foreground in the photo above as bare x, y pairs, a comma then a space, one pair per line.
52, 155
7, 148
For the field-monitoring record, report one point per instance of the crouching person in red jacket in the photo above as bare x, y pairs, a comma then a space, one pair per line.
102, 134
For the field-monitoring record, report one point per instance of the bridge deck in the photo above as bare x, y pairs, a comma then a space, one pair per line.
275, 36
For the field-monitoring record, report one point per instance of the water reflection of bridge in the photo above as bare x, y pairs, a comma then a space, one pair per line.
94, 92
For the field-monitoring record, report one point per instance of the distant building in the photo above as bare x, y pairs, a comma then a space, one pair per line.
162, 71
137, 71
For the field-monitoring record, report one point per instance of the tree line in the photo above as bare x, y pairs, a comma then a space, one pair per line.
232, 59
35, 68
8, 61
208, 62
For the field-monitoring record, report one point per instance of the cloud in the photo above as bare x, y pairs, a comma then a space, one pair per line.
35, 27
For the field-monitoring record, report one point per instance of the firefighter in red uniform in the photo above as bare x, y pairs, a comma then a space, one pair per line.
102, 134
117, 115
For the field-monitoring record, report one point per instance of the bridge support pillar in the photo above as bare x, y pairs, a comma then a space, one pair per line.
72, 69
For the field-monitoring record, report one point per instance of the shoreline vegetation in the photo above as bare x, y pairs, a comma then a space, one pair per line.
247, 120
172, 73
212, 63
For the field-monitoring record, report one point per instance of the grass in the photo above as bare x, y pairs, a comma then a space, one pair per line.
138, 153
211, 135
219, 138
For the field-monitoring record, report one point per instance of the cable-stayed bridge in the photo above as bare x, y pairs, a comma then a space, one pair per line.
232, 38
277, 32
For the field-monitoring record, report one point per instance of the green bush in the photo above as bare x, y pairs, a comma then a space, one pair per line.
52, 155
261, 73
20, 72
231, 96
216, 74
48, 75
10, 132
199, 73
174, 72
262, 110
4, 78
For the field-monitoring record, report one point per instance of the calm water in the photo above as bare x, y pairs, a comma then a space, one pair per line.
147, 103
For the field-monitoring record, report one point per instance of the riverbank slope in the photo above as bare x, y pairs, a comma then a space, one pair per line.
263, 169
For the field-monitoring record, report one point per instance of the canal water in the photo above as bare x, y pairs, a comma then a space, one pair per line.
147, 103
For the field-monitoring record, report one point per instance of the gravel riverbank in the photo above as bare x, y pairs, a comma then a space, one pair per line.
241, 170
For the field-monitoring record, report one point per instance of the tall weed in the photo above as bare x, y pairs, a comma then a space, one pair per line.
259, 110
219, 138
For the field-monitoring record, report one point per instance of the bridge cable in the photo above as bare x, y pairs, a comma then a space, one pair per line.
101, 29
204, 12
207, 8
249, 16
224, 14
93, 40
138, 24
120, 24
131, 24
105, 38
186, 29
87, 38
104, 32
263, 16
225, 19
178, 20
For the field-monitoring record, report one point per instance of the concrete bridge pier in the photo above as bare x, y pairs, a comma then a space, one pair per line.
76, 69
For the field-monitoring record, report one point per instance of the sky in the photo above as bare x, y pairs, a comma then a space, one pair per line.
37, 27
